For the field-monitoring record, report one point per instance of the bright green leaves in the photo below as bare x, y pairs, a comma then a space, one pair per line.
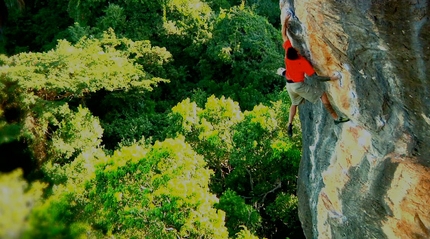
265, 162
157, 192
188, 115
56, 218
186, 17
248, 141
16, 201
264, 158
36, 86
71, 71
186, 24
245, 234
209, 129
222, 112
249, 152
57, 102
66, 142
74, 173
141, 191
179, 25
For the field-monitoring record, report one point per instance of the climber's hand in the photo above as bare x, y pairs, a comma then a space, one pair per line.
280, 71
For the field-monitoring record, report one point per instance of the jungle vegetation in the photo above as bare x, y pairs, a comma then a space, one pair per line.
145, 119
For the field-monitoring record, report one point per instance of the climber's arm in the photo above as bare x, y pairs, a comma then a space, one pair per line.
285, 28
325, 78
309, 71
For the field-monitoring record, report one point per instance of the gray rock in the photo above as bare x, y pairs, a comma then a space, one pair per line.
370, 177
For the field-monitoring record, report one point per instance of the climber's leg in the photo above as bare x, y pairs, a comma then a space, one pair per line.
293, 110
328, 106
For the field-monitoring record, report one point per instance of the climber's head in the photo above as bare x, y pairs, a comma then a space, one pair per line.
292, 54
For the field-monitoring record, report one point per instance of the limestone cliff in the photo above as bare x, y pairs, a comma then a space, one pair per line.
370, 177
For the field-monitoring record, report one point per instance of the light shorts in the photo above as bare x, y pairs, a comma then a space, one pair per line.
301, 90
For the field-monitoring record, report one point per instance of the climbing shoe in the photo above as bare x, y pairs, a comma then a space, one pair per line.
341, 120
290, 130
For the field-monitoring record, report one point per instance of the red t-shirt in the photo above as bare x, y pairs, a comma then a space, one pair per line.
296, 69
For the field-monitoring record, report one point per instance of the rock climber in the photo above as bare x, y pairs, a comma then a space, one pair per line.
296, 68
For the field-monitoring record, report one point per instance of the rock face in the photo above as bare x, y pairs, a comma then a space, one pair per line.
370, 177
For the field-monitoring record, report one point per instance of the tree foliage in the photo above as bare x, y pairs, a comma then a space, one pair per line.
239, 213
34, 25
40, 89
158, 191
16, 202
91, 100
241, 148
240, 57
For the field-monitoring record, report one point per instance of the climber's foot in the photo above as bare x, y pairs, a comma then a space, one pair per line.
341, 120
290, 130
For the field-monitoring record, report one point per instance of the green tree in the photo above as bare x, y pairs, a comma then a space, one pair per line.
209, 131
62, 212
127, 117
284, 209
91, 93
241, 57
181, 26
239, 214
251, 156
245, 234
217, 5
268, 9
158, 191
265, 163
65, 143
42, 91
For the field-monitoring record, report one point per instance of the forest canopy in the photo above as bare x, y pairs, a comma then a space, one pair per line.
145, 119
